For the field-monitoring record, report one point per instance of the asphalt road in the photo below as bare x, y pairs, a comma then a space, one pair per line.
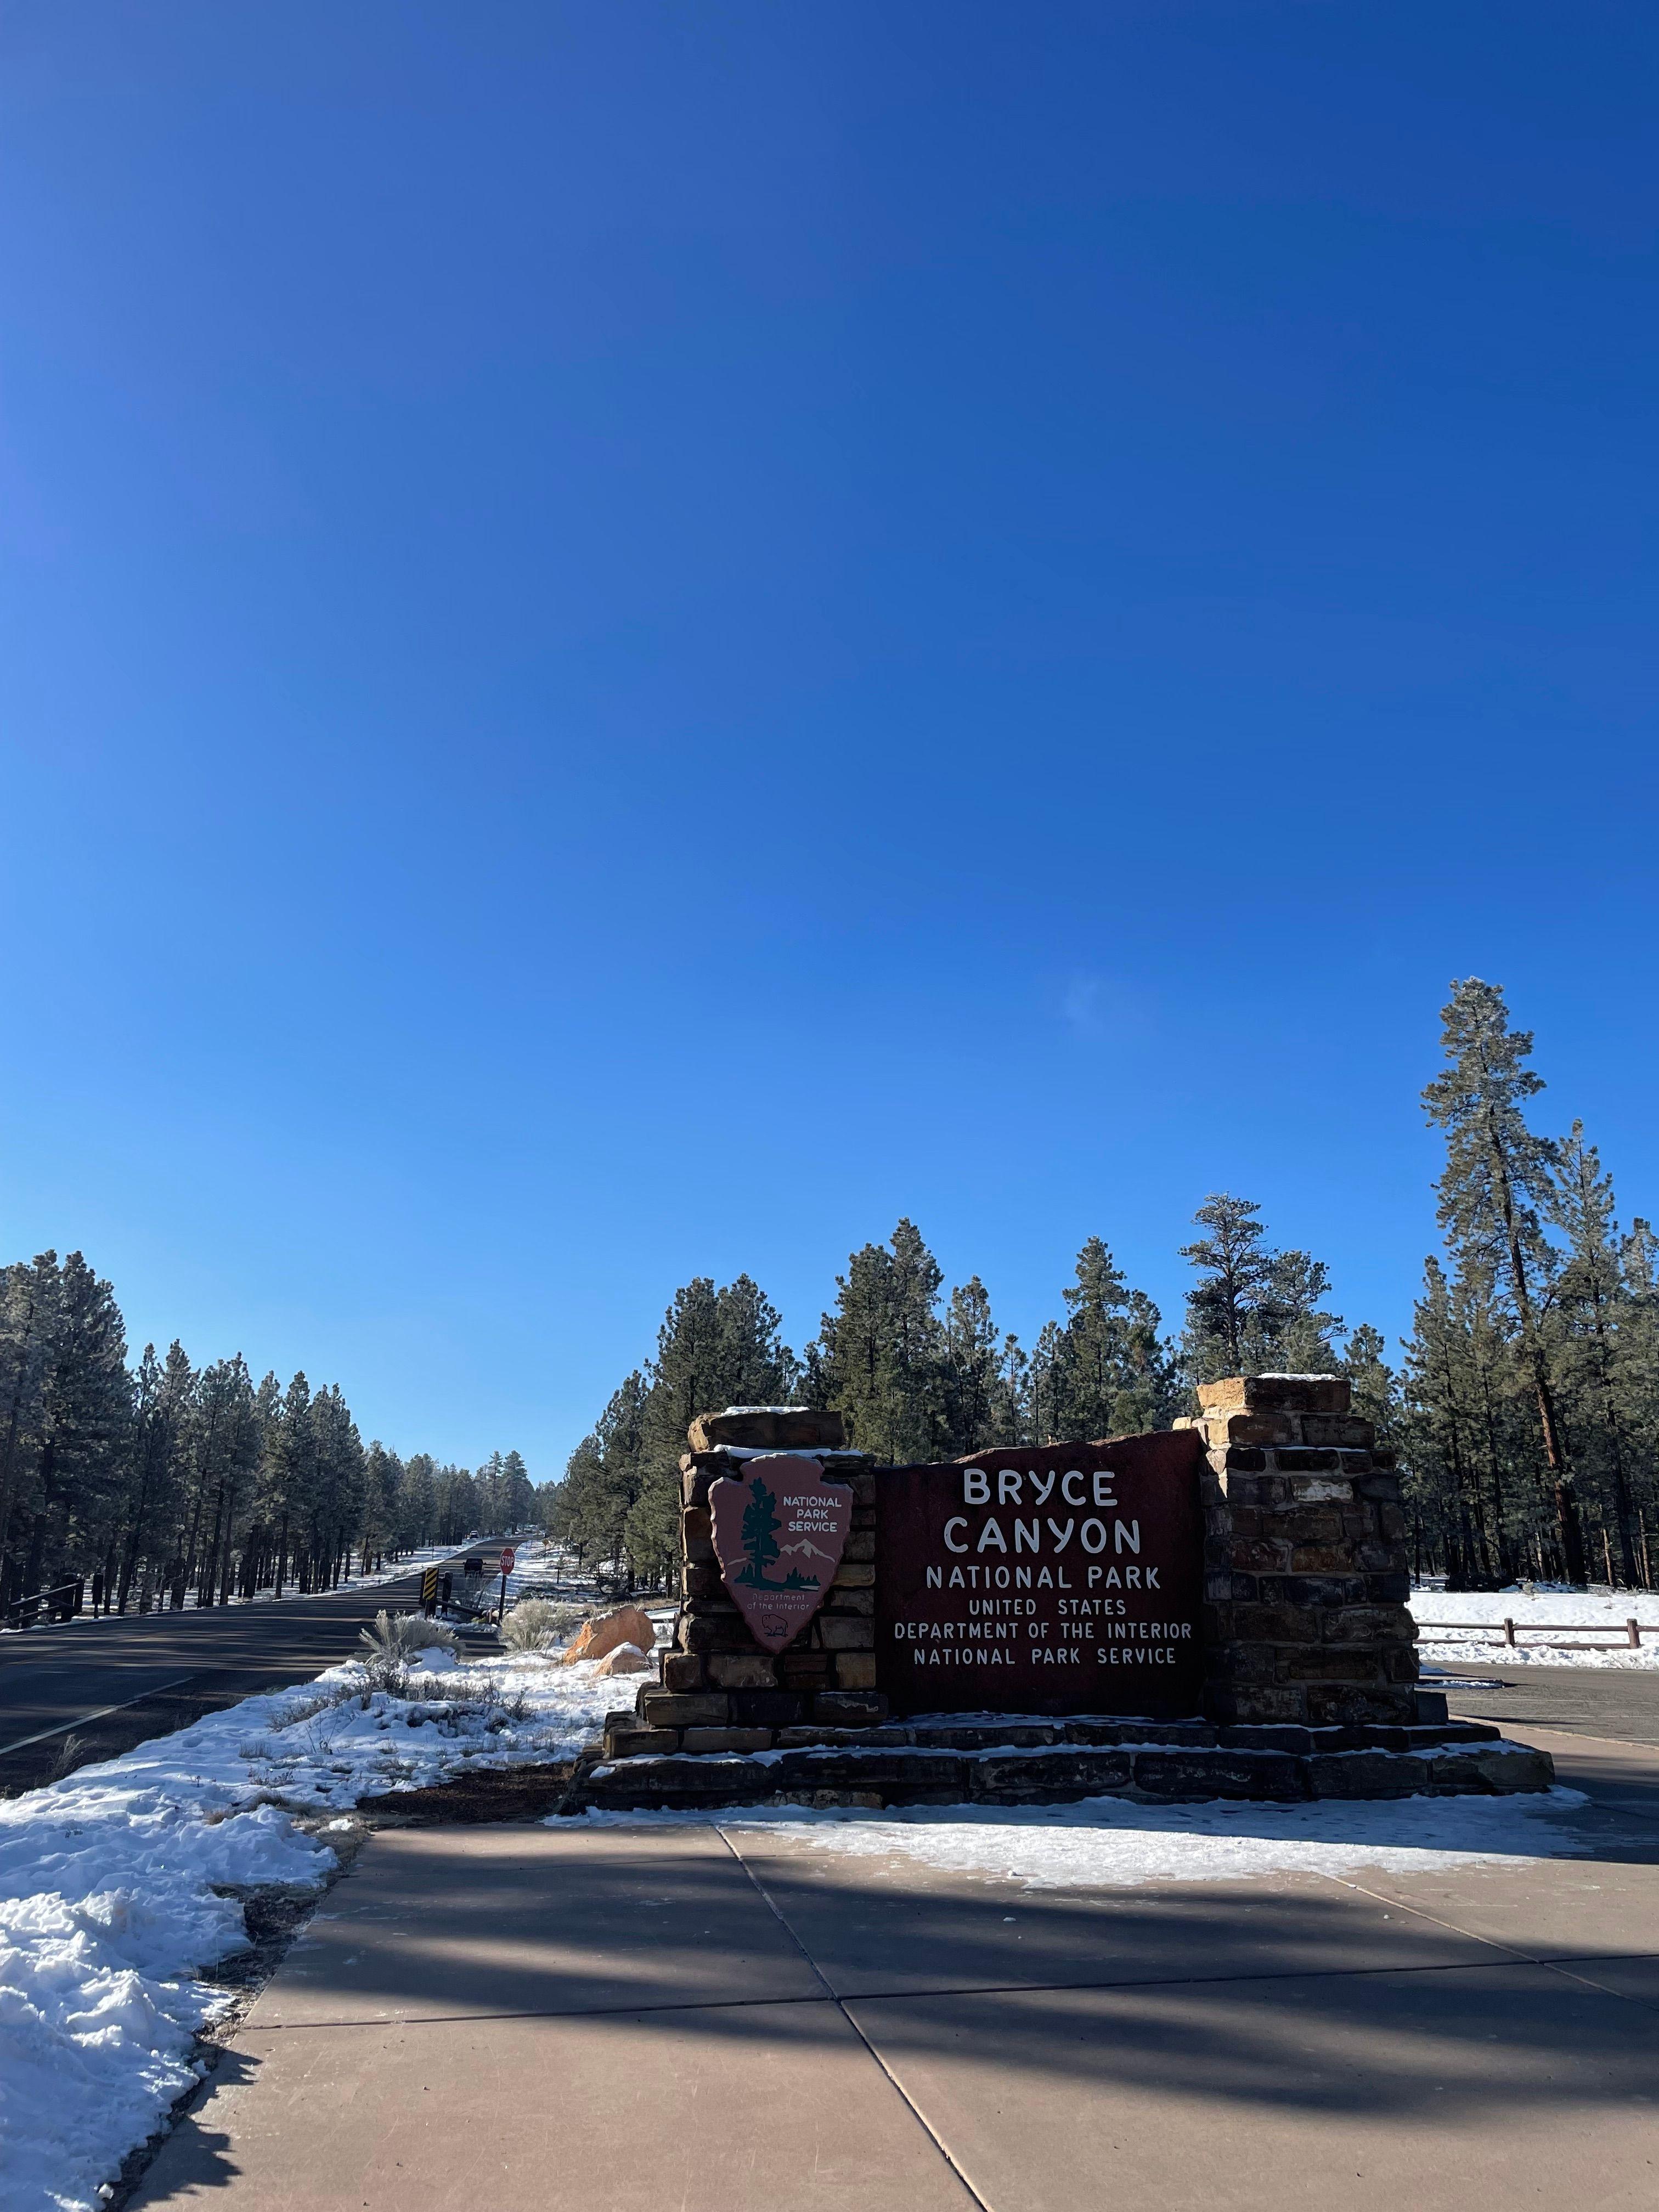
1620, 1705
163, 1670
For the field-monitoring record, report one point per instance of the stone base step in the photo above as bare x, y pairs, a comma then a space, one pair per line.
1024, 1761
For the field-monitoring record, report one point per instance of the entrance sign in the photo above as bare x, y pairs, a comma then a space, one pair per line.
779, 1530
1062, 1579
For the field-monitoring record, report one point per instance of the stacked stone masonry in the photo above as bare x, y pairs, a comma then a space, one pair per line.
1049, 1761
1305, 1569
721, 1691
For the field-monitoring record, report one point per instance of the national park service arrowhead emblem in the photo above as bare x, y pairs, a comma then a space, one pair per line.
779, 1530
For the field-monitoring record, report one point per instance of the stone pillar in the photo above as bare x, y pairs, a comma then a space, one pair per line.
1306, 1572
721, 1691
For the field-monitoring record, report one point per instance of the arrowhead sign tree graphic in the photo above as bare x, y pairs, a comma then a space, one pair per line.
779, 1530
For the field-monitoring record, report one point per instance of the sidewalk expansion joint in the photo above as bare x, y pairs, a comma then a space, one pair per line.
927, 1996
898, 2088
1557, 1965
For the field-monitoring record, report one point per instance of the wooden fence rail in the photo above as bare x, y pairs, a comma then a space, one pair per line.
1510, 1629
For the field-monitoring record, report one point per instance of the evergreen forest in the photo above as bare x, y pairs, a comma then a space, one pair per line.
173, 1484
1523, 1407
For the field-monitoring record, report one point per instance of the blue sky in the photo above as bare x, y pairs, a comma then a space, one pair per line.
634, 639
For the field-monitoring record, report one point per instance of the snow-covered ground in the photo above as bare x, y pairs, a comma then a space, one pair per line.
1545, 1620
108, 1883
1104, 1843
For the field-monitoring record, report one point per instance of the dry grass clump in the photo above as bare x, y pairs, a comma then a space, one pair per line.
537, 1623
393, 1642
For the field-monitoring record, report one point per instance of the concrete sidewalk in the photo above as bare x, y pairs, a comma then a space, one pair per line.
630, 2019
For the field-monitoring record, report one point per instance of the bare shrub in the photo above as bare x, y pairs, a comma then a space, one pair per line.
406, 1633
320, 1734
393, 1641
476, 1697
318, 1701
537, 1623
71, 1754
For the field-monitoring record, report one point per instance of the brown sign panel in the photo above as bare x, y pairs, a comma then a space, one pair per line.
1060, 1579
779, 1531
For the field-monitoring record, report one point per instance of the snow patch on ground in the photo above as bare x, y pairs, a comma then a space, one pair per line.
109, 1882
1103, 1843
1544, 1619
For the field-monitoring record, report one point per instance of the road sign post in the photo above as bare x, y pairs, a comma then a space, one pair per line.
429, 1590
507, 1556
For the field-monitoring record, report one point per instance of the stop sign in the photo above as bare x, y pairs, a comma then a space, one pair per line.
506, 1559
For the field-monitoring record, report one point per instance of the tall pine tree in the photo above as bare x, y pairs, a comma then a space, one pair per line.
1254, 1310
881, 1356
1499, 1177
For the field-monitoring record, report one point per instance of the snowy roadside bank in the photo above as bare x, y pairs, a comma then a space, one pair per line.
111, 1882
1545, 1620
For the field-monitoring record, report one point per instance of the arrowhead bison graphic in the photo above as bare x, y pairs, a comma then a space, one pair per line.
779, 1530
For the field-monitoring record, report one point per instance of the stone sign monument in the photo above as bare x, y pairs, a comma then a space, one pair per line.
1217, 1610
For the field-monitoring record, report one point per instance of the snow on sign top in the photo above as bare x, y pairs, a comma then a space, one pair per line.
1274, 1375
765, 1409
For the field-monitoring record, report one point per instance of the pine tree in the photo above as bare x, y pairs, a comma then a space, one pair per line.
150, 1466
417, 1502
1297, 1330
228, 1444
1150, 1395
1638, 1269
383, 1482
1499, 1476
1015, 1423
603, 1478
1046, 1396
1254, 1310
1499, 1177
1375, 1385
487, 1481
459, 1511
27, 1303
881, 1357
294, 1480
1237, 1273
1590, 1310
715, 1348
1092, 1362
338, 1510
1112, 1373
518, 1493
83, 1414
974, 1398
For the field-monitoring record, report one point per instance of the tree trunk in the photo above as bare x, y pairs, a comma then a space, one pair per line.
13, 1421
1566, 1502
1624, 1503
